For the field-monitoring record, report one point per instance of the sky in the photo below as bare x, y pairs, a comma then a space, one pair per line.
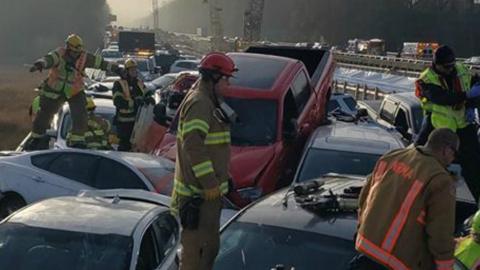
129, 12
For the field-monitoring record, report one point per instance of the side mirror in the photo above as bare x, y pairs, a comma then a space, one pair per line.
52, 133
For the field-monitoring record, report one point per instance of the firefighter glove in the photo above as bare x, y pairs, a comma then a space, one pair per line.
212, 193
474, 92
190, 213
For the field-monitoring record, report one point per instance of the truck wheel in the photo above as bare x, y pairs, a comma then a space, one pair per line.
10, 204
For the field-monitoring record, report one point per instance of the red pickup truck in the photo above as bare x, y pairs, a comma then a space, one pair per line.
280, 96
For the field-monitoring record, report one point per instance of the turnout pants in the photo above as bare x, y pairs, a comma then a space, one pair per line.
124, 132
200, 247
49, 107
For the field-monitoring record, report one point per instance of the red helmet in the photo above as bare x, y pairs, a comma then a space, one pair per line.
218, 62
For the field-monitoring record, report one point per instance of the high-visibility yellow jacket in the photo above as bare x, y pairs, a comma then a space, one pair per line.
203, 145
407, 212
468, 252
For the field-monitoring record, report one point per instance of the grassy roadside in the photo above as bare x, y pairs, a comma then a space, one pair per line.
16, 94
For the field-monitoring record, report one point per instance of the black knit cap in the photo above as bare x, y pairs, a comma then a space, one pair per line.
443, 55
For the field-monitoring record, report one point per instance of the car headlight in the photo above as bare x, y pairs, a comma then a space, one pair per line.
250, 193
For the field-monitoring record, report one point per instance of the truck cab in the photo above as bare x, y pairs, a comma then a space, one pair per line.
279, 95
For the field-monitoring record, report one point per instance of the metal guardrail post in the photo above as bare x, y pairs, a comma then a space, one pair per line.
365, 89
375, 96
357, 90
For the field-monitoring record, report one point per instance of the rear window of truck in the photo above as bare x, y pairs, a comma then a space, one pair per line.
258, 73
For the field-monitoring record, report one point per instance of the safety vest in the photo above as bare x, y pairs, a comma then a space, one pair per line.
96, 137
468, 252
446, 116
63, 78
128, 114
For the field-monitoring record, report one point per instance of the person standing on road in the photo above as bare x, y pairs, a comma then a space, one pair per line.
448, 101
407, 208
468, 248
65, 83
203, 155
129, 95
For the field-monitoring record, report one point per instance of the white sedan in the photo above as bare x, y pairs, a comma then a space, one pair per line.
33, 176
96, 230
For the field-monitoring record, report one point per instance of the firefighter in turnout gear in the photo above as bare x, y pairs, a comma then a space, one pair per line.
407, 208
129, 95
98, 129
468, 248
203, 156
448, 96
65, 83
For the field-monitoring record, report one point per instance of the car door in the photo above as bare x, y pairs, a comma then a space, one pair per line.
159, 243
112, 174
60, 174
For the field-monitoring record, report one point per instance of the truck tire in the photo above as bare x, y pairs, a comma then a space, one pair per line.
9, 204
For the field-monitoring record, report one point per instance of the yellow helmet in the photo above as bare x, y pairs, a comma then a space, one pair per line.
74, 43
90, 104
130, 63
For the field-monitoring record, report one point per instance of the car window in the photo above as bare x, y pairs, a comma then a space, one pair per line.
301, 91
388, 111
258, 246
112, 174
351, 103
332, 105
77, 166
43, 161
334, 161
67, 123
148, 258
166, 232
183, 65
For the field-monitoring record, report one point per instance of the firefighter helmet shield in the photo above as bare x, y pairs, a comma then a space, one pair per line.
218, 62
74, 43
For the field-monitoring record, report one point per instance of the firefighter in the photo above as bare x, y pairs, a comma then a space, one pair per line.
448, 101
407, 208
129, 95
98, 129
65, 83
468, 248
203, 155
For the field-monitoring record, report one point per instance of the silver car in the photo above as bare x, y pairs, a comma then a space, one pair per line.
115, 229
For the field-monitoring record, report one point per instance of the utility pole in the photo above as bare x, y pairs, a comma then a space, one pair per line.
155, 14
253, 18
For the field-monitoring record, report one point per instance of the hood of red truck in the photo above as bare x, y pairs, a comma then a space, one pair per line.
247, 163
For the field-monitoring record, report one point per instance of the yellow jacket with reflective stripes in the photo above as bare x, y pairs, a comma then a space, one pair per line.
407, 212
98, 131
446, 116
203, 145
468, 252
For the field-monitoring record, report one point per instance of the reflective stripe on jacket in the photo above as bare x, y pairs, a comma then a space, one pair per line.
407, 212
203, 145
446, 116
468, 252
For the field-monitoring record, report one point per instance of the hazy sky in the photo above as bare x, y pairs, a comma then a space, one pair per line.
128, 11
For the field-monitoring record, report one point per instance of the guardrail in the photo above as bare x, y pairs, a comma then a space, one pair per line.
359, 91
401, 66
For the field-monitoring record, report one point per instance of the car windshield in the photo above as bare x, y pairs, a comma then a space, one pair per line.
257, 121
256, 73
111, 54
156, 169
142, 65
351, 103
257, 246
32, 248
319, 162
67, 123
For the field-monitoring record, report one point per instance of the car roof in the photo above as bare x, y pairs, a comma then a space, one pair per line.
408, 98
364, 137
86, 214
272, 211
